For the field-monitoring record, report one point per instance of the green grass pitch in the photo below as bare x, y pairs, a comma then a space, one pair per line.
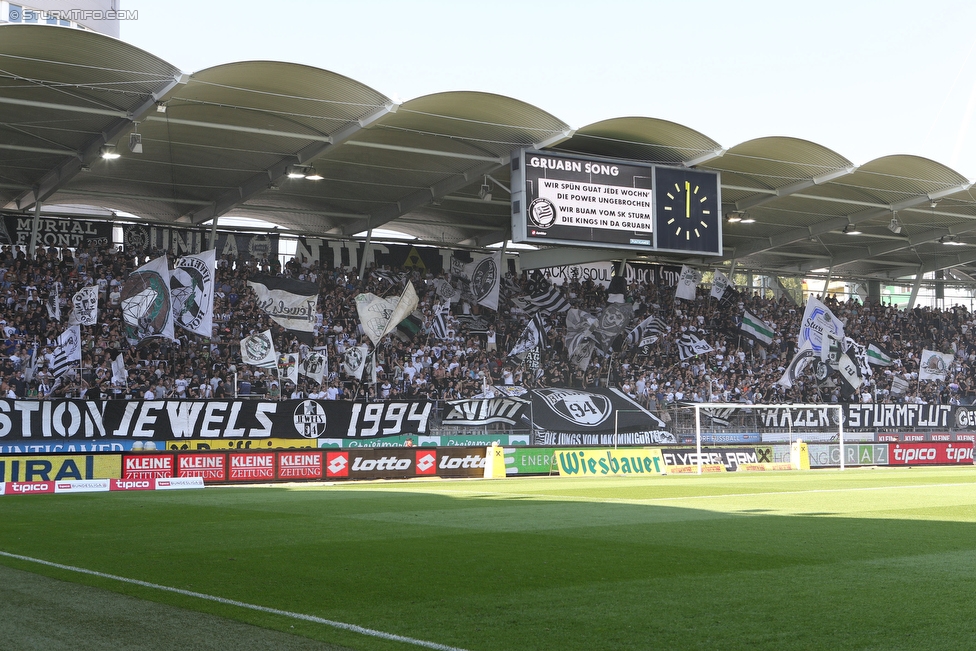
860, 559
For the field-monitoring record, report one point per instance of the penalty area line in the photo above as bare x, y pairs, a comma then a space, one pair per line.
240, 604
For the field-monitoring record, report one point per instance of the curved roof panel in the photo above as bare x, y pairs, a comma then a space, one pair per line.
640, 138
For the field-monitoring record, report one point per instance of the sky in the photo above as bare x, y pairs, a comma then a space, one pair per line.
866, 79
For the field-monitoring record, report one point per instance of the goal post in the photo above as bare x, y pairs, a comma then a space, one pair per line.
740, 406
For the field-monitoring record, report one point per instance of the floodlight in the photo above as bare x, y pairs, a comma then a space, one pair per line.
108, 152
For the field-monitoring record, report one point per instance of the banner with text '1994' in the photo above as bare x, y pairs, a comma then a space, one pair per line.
208, 420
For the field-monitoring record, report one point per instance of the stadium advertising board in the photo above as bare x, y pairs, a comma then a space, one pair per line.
147, 466
713, 438
226, 445
921, 437
28, 487
83, 485
460, 462
824, 455
178, 483
728, 457
251, 466
530, 461
388, 463
474, 438
918, 454
587, 201
606, 463
60, 468
58, 421
132, 484
300, 465
692, 470
209, 467
68, 447
190, 241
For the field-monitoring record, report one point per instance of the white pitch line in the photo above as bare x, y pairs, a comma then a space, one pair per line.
240, 604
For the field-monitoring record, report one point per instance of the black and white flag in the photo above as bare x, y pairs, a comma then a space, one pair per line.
690, 345
258, 350
53, 304
288, 367
719, 417
580, 337
720, 283
687, 283
614, 319
533, 336
67, 352
355, 361
545, 296
486, 280
438, 326
290, 303
192, 286
313, 366
642, 334
84, 306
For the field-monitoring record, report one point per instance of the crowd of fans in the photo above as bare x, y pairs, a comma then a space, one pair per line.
469, 360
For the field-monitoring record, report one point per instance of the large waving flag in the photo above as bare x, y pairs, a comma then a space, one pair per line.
381, 316
404, 307
192, 285
533, 336
614, 319
290, 303
803, 357
545, 296
818, 322
756, 328
147, 305
878, 355
642, 334
934, 365
375, 313
580, 337
690, 345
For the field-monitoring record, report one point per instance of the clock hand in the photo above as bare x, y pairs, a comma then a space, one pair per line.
688, 199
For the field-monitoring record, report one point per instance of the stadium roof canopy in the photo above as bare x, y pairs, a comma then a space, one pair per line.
223, 140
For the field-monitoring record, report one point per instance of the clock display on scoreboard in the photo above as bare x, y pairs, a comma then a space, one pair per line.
579, 201
687, 210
